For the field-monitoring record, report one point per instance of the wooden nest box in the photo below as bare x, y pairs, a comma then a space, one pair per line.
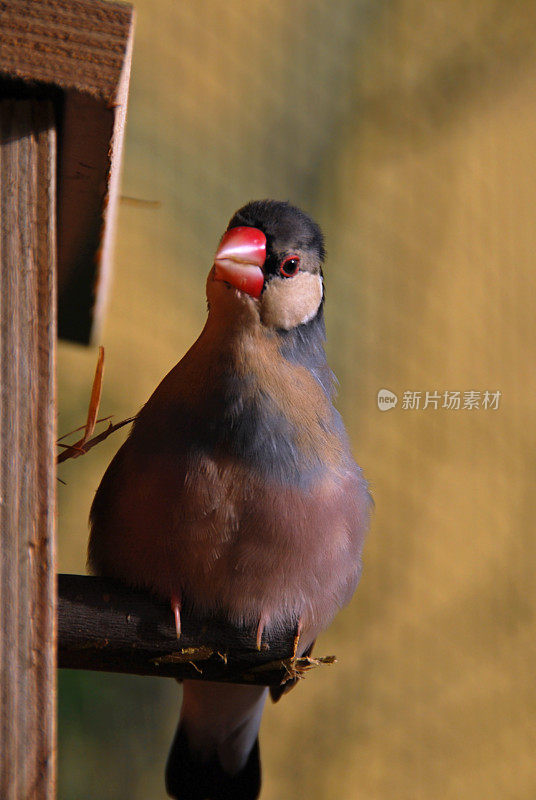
64, 73
76, 55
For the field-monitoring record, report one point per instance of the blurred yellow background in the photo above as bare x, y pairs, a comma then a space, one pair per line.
408, 130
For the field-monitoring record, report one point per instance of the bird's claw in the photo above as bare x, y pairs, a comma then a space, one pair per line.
296, 640
176, 608
260, 631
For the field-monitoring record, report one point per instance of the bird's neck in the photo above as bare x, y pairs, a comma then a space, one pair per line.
241, 345
257, 394
304, 345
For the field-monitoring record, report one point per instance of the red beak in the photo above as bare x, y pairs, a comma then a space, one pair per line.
239, 258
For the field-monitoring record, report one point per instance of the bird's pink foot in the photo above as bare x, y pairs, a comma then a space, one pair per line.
176, 608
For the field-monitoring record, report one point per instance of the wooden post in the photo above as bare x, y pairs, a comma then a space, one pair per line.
27, 435
64, 64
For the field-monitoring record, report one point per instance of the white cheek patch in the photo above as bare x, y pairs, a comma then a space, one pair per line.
289, 302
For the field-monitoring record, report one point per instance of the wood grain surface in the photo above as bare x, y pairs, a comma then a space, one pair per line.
82, 48
79, 44
27, 435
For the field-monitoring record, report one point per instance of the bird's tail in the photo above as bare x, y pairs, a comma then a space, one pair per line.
188, 778
215, 752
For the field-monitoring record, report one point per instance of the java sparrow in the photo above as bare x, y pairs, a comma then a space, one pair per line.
236, 491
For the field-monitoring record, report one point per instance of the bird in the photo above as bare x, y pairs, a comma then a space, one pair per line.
236, 492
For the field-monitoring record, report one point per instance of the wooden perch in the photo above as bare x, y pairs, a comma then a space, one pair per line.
104, 626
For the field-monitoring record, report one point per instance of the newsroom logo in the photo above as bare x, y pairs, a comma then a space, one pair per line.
386, 400
457, 400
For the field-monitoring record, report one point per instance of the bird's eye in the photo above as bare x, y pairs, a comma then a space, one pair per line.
290, 266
